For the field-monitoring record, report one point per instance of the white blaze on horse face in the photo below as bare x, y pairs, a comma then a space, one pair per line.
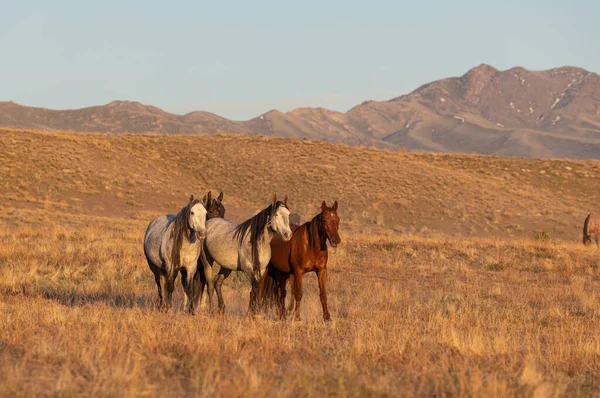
281, 223
198, 220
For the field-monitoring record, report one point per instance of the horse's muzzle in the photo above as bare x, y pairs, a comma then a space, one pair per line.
335, 241
286, 236
201, 234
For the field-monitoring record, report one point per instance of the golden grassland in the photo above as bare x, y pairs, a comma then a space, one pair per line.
471, 305
412, 315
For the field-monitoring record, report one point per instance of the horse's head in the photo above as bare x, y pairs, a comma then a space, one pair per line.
331, 223
280, 219
197, 217
214, 207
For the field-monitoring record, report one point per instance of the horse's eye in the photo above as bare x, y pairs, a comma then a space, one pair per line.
192, 213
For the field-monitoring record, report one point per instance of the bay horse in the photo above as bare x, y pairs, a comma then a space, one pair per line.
305, 252
242, 247
173, 243
591, 228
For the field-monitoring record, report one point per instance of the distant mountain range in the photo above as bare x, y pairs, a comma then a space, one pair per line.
517, 112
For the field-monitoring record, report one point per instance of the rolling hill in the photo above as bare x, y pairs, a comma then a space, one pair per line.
138, 176
517, 112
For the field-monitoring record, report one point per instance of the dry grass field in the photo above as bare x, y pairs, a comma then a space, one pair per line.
438, 288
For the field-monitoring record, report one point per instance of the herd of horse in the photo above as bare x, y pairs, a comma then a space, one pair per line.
267, 248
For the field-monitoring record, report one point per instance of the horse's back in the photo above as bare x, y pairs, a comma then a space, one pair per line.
220, 242
154, 236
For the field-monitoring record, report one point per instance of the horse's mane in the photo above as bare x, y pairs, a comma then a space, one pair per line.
586, 226
256, 226
316, 232
180, 229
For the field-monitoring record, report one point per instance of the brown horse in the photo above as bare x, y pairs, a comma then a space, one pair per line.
305, 252
591, 228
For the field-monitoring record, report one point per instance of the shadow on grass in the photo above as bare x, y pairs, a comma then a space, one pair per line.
80, 299
114, 299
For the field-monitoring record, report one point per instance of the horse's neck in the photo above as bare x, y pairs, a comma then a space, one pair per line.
263, 245
267, 237
318, 240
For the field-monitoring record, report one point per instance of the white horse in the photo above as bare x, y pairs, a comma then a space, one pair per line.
173, 243
242, 247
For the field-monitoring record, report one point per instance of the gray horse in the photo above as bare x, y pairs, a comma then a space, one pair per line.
242, 247
173, 243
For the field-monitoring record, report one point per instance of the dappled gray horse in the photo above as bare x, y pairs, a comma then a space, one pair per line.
243, 247
173, 243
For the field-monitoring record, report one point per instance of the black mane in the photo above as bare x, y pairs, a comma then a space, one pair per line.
316, 232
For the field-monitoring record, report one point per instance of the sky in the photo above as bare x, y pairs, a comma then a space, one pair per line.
240, 59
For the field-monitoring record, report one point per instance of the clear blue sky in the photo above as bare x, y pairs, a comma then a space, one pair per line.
242, 58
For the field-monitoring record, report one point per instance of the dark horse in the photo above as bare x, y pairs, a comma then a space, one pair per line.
305, 252
214, 207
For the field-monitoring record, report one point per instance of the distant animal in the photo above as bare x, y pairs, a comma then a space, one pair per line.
242, 247
305, 252
173, 243
591, 228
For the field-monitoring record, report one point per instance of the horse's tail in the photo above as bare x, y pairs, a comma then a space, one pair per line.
268, 293
586, 228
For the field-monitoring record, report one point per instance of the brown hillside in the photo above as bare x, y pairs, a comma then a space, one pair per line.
142, 175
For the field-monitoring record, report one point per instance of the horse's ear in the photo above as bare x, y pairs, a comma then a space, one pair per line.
208, 196
204, 200
191, 197
323, 206
274, 198
285, 201
334, 207
220, 197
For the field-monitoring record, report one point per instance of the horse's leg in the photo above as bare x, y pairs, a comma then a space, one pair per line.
159, 301
290, 308
281, 293
170, 287
199, 284
267, 289
184, 284
253, 304
188, 288
597, 245
322, 275
223, 274
298, 294
208, 275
